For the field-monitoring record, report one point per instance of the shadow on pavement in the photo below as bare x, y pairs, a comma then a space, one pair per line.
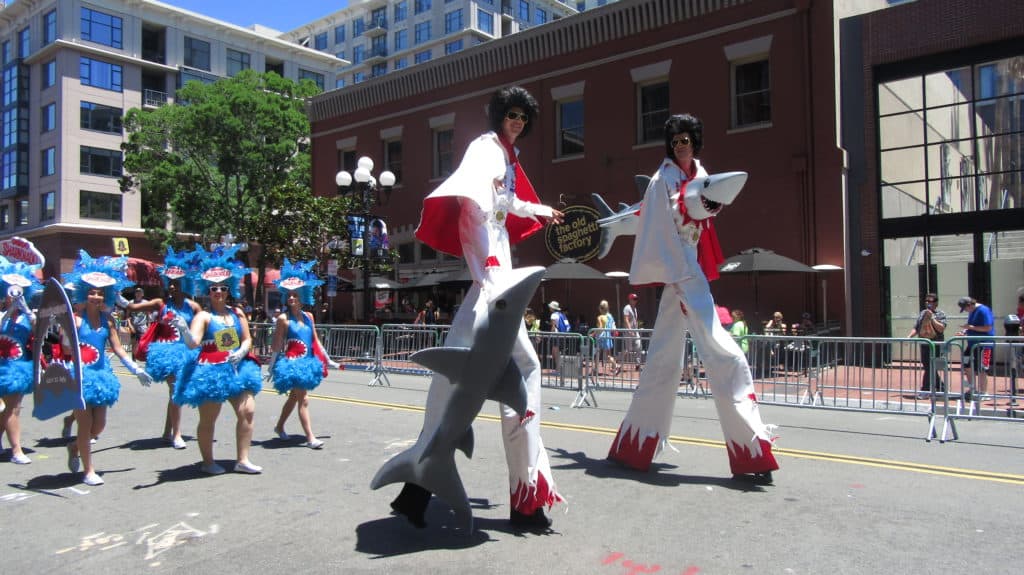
183, 473
657, 476
150, 443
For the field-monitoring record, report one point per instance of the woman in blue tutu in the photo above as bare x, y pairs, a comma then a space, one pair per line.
167, 353
18, 283
224, 369
97, 283
297, 362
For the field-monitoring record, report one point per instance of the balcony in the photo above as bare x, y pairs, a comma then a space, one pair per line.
507, 11
376, 27
375, 54
153, 98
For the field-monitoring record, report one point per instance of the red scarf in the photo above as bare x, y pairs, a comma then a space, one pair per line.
520, 228
709, 252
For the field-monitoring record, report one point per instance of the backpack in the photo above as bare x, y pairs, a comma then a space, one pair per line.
563, 323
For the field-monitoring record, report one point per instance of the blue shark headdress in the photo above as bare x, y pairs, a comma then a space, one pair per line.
176, 267
19, 274
299, 277
103, 272
215, 267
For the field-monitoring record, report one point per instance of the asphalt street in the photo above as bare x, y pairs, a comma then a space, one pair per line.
856, 493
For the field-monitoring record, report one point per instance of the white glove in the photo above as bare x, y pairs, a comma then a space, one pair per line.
21, 304
183, 328
239, 354
121, 302
144, 378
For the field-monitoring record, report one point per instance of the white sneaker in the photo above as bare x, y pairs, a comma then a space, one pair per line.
178, 443
315, 444
212, 469
247, 467
20, 459
92, 479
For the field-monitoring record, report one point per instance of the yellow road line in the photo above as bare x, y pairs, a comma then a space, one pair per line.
976, 474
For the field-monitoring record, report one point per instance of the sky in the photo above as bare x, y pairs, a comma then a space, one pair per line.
281, 15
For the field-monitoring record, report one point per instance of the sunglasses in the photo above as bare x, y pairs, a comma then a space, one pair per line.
218, 288
684, 141
931, 301
517, 116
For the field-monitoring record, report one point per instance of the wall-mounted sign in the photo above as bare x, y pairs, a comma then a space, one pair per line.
121, 246
578, 237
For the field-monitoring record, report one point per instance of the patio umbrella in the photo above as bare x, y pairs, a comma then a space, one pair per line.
759, 260
570, 270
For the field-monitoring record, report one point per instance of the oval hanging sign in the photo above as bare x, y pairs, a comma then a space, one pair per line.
578, 237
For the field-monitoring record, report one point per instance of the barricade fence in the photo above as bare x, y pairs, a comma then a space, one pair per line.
904, 376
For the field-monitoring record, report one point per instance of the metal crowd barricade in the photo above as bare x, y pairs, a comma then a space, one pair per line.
356, 347
977, 393
878, 375
402, 340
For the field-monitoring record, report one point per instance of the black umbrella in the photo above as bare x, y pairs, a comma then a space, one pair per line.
760, 260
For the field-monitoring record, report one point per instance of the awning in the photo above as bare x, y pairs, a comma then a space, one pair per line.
270, 275
143, 272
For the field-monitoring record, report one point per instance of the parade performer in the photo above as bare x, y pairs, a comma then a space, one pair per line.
225, 369
676, 247
97, 281
298, 361
492, 204
167, 353
18, 283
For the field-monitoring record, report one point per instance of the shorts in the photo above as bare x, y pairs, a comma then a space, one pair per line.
986, 357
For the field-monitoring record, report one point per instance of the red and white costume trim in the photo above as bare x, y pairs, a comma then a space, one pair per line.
666, 253
493, 205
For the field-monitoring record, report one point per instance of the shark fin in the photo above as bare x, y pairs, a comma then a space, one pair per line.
437, 474
448, 361
603, 211
511, 390
641, 181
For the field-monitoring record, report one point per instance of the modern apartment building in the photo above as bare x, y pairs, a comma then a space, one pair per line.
71, 69
382, 36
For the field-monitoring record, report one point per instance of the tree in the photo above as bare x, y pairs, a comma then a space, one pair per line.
231, 157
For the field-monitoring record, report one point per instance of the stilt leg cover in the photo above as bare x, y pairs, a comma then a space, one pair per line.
743, 459
634, 448
527, 498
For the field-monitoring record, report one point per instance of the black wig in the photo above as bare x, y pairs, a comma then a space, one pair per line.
680, 123
512, 97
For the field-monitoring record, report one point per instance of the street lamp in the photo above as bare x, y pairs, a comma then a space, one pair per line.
824, 290
366, 190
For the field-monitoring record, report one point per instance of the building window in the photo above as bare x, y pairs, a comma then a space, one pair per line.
339, 82
340, 54
393, 158
21, 212
237, 61
315, 77
49, 162
421, 6
100, 74
339, 34
378, 70
197, 54
101, 28
48, 206
422, 32
453, 47
443, 140
358, 26
49, 74
48, 117
101, 118
581, 6
453, 21
25, 42
5, 217
401, 63
570, 128
49, 27
421, 57
752, 97
5, 53
358, 54
358, 77
320, 41
401, 10
100, 162
540, 16
100, 206
485, 21
524, 11
401, 39
652, 100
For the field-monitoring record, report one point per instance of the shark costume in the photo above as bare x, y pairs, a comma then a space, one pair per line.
18, 280
676, 247
167, 353
302, 363
493, 205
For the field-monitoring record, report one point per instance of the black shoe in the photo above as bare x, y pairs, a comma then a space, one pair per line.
764, 478
412, 503
537, 520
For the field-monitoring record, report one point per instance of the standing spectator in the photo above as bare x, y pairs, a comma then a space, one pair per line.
930, 325
560, 324
139, 320
724, 316
606, 338
630, 324
776, 325
428, 315
738, 330
979, 323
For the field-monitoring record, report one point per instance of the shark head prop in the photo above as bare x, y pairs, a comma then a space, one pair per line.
483, 371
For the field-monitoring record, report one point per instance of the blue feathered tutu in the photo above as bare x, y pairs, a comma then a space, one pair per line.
100, 387
15, 376
166, 359
202, 382
303, 373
